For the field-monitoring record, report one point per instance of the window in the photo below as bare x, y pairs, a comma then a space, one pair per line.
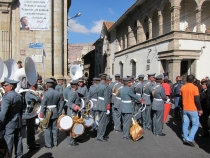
133, 67
121, 68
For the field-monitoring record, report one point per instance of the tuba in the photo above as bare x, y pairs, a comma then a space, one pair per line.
31, 110
76, 72
44, 123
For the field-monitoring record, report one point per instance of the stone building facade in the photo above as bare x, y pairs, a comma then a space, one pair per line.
15, 42
102, 50
162, 36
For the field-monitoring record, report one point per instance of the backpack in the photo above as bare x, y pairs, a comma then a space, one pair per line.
177, 88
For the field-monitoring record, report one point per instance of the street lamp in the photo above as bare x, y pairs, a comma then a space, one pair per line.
77, 15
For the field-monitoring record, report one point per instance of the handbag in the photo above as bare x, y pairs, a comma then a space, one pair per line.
136, 131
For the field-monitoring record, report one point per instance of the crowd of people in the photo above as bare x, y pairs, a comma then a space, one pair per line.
117, 101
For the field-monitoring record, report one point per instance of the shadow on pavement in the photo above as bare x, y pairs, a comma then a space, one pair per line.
176, 125
46, 155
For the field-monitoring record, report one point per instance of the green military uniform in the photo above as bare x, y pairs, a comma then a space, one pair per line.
73, 100
147, 97
127, 95
158, 107
92, 95
30, 123
11, 116
51, 100
103, 100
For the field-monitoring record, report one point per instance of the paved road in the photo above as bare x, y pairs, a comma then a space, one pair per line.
150, 146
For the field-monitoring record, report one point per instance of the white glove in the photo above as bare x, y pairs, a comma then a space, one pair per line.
107, 112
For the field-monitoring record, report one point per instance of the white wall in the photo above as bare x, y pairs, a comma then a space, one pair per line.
141, 57
113, 46
203, 64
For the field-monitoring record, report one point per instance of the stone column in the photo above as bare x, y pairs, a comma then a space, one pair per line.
150, 28
65, 41
175, 17
198, 20
174, 66
130, 32
160, 22
58, 39
121, 43
125, 46
139, 27
193, 67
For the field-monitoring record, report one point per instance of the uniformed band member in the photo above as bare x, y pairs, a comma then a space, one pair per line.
73, 108
117, 115
82, 89
40, 86
31, 99
103, 106
108, 81
147, 99
138, 88
158, 106
51, 100
113, 96
92, 95
59, 88
65, 97
127, 95
11, 116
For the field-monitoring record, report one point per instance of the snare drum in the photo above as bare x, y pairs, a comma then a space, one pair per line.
64, 122
77, 130
88, 120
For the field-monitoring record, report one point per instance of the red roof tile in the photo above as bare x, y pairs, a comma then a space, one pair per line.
108, 24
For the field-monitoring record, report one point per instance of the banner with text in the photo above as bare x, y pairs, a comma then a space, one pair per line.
34, 14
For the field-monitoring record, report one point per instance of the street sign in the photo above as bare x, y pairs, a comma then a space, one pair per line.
37, 58
36, 45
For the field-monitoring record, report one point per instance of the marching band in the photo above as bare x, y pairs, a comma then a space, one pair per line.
75, 108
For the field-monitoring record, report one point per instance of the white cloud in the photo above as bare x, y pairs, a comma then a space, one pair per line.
110, 11
77, 27
96, 28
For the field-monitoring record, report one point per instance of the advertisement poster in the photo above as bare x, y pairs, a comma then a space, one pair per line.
34, 14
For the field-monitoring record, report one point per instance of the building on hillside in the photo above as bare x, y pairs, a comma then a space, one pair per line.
77, 51
162, 36
24, 23
102, 48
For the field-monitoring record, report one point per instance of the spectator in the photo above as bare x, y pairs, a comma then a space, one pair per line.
176, 96
19, 63
191, 109
206, 111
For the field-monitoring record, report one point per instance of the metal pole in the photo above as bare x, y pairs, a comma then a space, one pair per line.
43, 65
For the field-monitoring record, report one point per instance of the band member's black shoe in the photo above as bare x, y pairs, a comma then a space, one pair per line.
106, 137
33, 148
102, 140
47, 147
37, 144
162, 134
73, 144
127, 138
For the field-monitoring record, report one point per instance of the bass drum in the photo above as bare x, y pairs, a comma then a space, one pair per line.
64, 122
77, 130
88, 120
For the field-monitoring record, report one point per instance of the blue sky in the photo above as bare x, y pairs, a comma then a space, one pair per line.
87, 27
